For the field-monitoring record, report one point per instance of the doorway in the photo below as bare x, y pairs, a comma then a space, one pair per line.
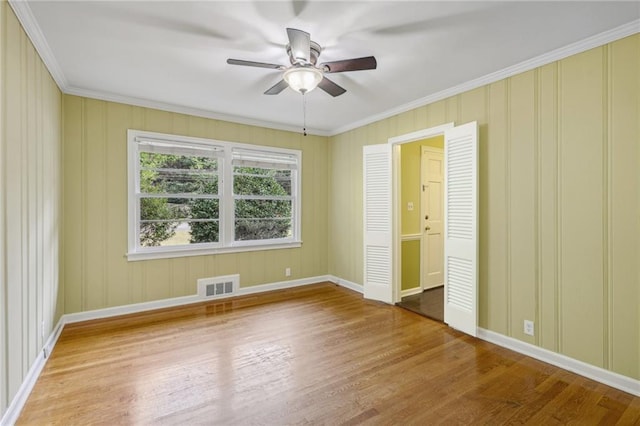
382, 221
422, 244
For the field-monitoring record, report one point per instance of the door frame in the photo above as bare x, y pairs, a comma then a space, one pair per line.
396, 237
423, 244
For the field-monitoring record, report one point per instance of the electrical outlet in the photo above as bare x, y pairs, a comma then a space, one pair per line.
287, 272
410, 206
528, 327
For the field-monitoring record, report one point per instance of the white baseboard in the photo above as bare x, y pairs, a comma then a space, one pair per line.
281, 285
615, 380
130, 309
410, 291
184, 300
346, 283
15, 408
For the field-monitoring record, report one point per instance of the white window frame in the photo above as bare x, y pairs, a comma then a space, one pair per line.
226, 243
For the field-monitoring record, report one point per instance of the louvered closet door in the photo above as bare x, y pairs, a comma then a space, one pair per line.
377, 223
461, 228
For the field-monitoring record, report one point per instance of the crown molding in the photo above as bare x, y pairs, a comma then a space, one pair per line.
597, 40
180, 109
28, 21
31, 27
24, 14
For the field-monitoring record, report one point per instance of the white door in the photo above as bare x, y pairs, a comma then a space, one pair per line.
377, 197
461, 228
433, 217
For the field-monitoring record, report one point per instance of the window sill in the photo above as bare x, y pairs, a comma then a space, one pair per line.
151, 255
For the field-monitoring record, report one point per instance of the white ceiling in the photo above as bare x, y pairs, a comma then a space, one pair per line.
172, 54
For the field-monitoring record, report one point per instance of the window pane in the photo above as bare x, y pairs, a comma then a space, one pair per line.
159, 209
257, 181
204, 232
154, 233
178, 233
262, 229
263, 209
178, 174
262, 219
178, 220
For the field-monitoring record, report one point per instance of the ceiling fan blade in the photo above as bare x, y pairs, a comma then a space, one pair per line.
331, 88
277, 88
254, 64
300, 43
356, 64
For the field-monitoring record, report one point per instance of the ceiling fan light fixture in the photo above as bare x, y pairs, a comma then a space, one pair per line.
303, 79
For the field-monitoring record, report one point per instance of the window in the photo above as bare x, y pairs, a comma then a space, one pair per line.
262, 197
190, 196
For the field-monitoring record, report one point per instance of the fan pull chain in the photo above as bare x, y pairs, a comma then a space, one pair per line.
304, 114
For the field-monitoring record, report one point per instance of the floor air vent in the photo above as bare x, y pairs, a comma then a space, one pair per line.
218, 287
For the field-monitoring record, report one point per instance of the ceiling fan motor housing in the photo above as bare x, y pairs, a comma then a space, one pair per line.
314, 53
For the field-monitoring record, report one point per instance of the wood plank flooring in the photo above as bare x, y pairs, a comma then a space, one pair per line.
317, 354
429, 303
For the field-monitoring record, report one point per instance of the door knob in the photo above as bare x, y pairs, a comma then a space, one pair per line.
427, 228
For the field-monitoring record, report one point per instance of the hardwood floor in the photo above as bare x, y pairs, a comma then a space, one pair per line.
318, 354
429, 303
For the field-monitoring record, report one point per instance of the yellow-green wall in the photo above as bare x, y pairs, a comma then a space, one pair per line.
410, 191
410, 264
96, 272
559, 201
30, 207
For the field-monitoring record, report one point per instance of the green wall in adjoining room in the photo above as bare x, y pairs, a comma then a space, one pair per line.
410, 264
410, 165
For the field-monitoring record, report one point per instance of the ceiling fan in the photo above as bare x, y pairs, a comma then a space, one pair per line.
304, 75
